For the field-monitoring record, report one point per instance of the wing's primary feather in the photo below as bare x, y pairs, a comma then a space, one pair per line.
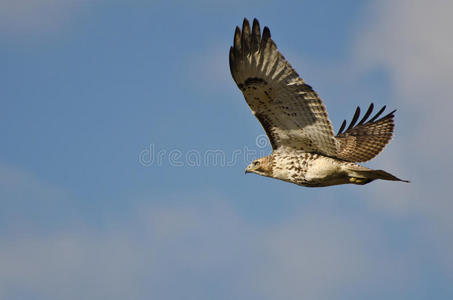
290, 111
368, 138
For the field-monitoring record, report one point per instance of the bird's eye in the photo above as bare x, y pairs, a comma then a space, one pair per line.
256, 163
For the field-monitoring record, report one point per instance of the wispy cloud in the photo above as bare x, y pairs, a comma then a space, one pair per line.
29, 203
24, 17
209, 70
412, 41
199, 247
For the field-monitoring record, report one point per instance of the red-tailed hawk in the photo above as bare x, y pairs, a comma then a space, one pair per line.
305, 150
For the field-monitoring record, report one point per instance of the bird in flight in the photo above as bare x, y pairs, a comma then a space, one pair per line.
305, 150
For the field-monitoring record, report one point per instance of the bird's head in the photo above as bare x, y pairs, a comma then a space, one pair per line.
261, 166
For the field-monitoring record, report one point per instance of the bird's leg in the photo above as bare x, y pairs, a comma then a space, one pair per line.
357, 180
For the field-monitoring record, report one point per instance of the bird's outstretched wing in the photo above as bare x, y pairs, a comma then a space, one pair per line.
290, 111
365, 140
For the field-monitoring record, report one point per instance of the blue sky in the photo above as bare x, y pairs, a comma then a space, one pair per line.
88, 87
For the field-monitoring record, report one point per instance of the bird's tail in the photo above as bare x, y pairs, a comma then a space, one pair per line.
365, 175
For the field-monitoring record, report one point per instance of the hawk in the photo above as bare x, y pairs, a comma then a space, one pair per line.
305, 150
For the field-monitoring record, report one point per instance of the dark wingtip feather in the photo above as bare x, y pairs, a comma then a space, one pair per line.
237, 32
354, 118
343, 125
364, 121
237, 40
367, 114
265, 37
266, 33
231, 59
245, 37
245, 23
377, 115
256, 35
256, 22
389, 115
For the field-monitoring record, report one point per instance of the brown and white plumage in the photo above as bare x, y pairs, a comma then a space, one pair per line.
290, 111
368, 138
296, 121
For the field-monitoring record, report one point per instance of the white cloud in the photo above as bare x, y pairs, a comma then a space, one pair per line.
17, 184
31, 204
321, 256
209, 71
412, 41
189, 248
37, 16
195, 247
200, 248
